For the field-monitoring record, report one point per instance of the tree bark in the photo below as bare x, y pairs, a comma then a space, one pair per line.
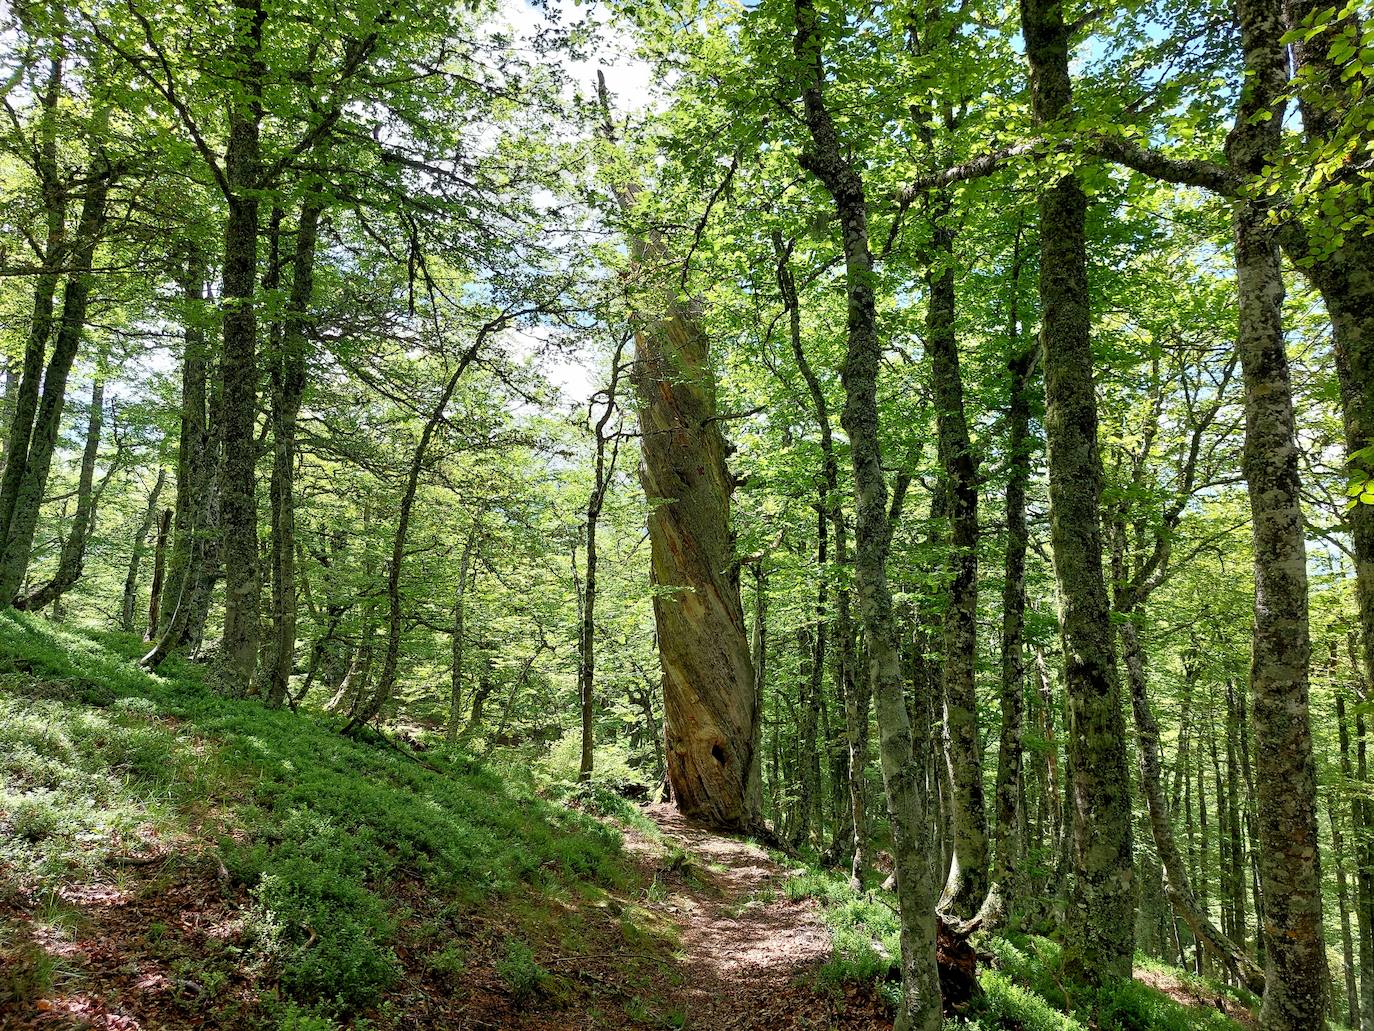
1010, 791
24, 404
1099, 933
72, 559
288, 390
904, 749
1296, 975
458, 638
967, 882
126, 614
1176, 882
37, 463
238, 655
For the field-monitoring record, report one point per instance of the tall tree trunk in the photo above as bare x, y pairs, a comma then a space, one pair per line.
904, 748
24, 404
967, 884
1352, 987
159, 573
194, 452
28, 499
1341, 266
1099, 933
1176, 882
238, 654
1010, 791
458, 638
72, 559
126, 613
288, 390
1296, 975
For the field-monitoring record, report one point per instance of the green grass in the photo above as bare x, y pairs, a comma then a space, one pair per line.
100, 760
1023, 990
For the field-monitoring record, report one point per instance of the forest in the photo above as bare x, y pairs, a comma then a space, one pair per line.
687, 514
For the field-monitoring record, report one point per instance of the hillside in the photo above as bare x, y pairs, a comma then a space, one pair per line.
170, 858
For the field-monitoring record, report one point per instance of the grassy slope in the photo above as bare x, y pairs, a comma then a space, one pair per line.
255, 869
336, 870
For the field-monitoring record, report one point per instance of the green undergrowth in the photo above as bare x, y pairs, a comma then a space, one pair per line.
1024, 988
102, 765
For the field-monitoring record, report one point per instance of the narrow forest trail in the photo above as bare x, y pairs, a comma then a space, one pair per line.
749, 955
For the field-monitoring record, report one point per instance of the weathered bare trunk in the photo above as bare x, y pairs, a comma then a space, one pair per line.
1099, 936
126, 612
709, 706
904, 749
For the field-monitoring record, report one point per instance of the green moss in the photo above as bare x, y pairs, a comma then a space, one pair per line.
98, 757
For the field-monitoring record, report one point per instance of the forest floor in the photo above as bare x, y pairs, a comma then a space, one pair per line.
750, 955
173, 859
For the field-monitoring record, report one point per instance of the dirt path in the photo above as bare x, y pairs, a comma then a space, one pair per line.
750, 955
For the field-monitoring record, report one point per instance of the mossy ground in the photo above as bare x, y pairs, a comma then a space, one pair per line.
1023, 987
176, 858
328, 880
